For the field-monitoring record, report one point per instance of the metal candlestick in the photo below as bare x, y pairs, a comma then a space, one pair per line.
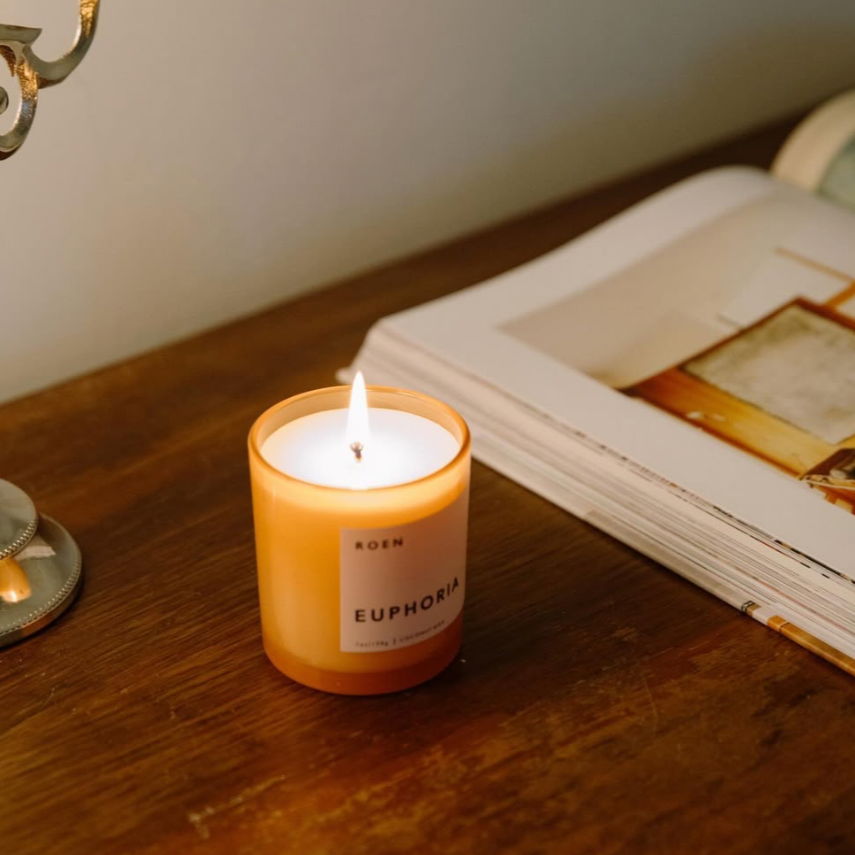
40, 566
33, 73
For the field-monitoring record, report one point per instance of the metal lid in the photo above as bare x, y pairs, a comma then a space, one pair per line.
18, 519
39, 583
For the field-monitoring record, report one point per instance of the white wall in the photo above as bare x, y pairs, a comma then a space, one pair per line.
208, 158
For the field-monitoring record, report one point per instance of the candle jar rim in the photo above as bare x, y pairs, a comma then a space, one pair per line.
450, 412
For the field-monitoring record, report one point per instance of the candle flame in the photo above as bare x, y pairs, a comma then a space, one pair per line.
357, 416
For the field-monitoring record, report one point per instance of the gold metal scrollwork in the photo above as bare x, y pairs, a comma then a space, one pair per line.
34, 73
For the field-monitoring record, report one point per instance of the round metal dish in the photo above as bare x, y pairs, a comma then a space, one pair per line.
18, 519
39, 583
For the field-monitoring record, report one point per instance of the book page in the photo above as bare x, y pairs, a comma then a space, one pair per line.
594, 337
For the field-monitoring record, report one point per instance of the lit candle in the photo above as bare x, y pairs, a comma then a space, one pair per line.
360, 521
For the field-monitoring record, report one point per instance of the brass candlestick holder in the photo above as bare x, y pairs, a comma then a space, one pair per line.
34, 73
40, 565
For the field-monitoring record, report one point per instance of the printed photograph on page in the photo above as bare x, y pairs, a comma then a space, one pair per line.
733, 331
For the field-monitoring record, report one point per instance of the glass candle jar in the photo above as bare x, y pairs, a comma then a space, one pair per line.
361, 587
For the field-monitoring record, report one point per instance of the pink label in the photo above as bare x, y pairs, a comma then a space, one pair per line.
403, 584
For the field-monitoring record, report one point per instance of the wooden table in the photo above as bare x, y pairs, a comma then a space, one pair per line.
600, 703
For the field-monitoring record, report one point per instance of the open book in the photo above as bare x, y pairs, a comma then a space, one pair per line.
682, 377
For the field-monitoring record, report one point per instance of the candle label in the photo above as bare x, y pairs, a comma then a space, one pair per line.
403, 584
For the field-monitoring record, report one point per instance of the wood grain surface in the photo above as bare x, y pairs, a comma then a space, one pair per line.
600, 704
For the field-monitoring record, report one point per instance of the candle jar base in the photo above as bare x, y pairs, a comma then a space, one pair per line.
369, 682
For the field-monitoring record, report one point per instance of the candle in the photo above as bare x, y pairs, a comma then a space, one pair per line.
360, 521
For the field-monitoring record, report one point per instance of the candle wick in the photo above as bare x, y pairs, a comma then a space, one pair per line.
356, 448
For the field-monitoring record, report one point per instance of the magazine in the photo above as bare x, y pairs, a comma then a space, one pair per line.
682, 377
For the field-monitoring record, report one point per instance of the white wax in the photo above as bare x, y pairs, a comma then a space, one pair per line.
401, 447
